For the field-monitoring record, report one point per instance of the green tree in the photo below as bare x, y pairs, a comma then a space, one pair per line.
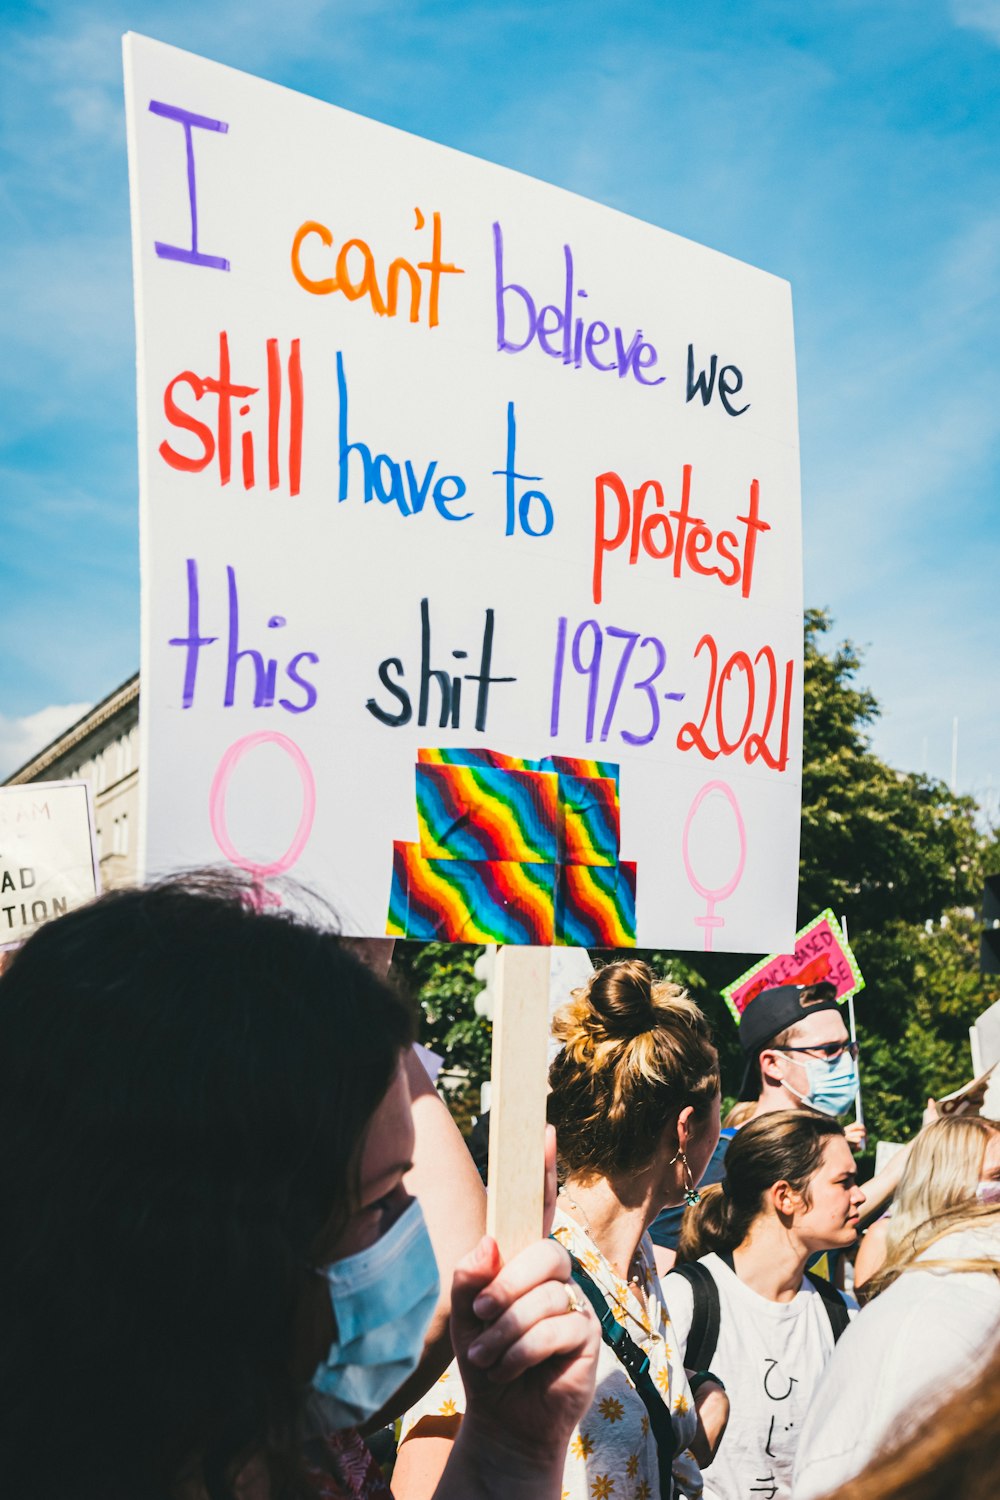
901, 856
440, 976
897, 853
882, 845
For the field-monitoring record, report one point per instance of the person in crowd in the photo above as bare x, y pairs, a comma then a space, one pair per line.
781, 1017
925, 1335
953, 1161
798, 1056
667, 1229
744, 1305
211, 1269
452, 1201
944, 1452
635, 1102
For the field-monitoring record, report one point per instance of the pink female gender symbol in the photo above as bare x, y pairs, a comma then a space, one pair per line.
258, 896
710, 921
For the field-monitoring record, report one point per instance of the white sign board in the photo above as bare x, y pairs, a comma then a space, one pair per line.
48, 860
985, 1039
884, 1152
470, 536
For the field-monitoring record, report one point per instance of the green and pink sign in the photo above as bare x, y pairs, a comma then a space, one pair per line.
822, 954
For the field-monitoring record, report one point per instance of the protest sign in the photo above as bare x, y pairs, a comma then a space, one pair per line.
471, 552
884, 1152
969, 1098
821, 954
48, 858
984, 1037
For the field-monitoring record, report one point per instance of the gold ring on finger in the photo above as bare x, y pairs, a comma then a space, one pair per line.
573, 1302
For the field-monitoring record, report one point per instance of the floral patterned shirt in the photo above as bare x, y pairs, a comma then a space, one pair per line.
612, 1453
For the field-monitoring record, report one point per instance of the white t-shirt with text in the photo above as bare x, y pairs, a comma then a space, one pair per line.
770, 1356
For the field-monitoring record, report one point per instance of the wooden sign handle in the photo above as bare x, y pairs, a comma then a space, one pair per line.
518, 1090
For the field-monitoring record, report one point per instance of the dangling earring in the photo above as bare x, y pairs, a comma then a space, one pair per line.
691, 1193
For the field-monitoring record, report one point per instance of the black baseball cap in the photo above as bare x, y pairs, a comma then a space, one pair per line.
775, 1010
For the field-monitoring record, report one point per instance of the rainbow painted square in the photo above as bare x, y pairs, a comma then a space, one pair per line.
513, 851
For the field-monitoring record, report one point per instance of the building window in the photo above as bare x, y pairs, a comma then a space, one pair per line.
119, 834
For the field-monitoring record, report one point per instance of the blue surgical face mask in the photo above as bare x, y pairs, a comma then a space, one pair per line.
833, 1086
383, 1299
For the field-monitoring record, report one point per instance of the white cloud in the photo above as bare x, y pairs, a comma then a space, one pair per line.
978, 15
22, 738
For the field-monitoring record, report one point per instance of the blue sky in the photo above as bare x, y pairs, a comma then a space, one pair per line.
852, 148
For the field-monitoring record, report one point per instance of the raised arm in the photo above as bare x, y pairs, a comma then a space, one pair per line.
527, 1352
880, 1190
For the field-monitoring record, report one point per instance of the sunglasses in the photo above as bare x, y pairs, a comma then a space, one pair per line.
829, 1050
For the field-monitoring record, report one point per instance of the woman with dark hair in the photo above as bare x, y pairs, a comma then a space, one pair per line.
635, 1102
741, 1300
210, 1267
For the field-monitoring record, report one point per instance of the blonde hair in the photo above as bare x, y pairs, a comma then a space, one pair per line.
936, 1191
635, 1051
739, 1114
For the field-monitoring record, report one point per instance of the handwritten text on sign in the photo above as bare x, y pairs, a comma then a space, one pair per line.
821, 955
48, 860
439, 461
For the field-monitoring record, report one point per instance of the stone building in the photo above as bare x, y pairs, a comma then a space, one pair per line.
102, 748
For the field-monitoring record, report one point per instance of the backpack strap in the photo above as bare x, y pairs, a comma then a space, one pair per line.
705, 1315
635, 1361
836, 1307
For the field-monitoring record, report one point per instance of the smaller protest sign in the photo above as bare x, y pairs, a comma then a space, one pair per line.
967, 1100
884, 1152
985, 1039
48, 856
822, 954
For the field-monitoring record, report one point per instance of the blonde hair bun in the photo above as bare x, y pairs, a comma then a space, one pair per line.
622, 1001
634, 1048
621, 996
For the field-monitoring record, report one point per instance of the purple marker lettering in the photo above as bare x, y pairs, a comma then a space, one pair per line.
264, 673
568, 306
504, 345
190, 255
557, 675
194, 640
591, 669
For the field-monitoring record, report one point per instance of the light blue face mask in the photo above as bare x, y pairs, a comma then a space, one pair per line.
383, 1299
833, 1086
